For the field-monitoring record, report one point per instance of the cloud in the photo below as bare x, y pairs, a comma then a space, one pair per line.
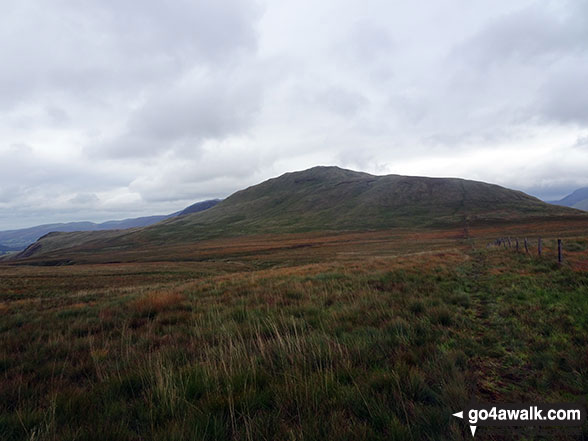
582, 142
564, 95
534, 60
95, 49
181, 117
367, 42
541, 33
341, 101
86, 199
110, 109
221, 168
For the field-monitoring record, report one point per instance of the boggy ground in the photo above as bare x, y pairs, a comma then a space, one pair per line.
375, 336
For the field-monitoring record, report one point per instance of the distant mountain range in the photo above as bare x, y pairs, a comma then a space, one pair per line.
320, 199
578, 199
17, 240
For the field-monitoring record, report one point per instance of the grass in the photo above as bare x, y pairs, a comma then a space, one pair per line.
349, 342
319, 199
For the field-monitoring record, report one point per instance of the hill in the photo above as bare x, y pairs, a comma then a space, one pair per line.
4, 249
16, 240
325, 199
577, 199
331, 198
198, 207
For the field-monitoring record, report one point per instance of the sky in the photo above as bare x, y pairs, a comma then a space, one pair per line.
112, 109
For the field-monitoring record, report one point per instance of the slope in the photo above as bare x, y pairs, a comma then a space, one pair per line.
330, 198
19, 239
325, 199
577, 199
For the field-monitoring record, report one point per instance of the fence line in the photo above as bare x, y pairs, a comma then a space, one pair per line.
505, 242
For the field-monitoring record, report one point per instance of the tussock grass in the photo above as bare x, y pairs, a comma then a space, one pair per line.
156, 302
372, 348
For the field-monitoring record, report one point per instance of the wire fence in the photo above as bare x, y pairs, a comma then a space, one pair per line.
527, 246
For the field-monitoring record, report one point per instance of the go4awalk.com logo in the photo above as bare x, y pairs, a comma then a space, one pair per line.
504, 415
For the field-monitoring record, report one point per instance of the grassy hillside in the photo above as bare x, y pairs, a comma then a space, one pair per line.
327, 199
365, 337
21, 238
330, 198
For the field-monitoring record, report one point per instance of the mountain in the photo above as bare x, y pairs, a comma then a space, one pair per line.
4, 249
324, 198
16, 240
577, 199
198, 206
331, 198
582, 205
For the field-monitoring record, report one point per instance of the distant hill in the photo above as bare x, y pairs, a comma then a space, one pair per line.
15, 240
4, 249
577, 199
327, 199
198, 207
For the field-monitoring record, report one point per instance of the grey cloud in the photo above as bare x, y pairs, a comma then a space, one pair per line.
582, 142
537, 33
369, 42
182, 117
95, 47
341, 101
366, 50
212, 108
19, 164
217, 173
564, 95
147, 106
85, 199
522, 69
410, 106
17, 150
185, 30
57, 115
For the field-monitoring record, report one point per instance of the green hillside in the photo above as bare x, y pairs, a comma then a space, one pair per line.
328, 198
331, 198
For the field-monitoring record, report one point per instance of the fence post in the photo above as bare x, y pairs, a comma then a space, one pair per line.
509, 242
526, 246
517, 244
559, 253
539, 247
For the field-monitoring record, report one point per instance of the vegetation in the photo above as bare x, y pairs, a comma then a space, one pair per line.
17, 240
327, 199
376, 336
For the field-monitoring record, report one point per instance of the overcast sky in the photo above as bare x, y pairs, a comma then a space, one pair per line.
113, 109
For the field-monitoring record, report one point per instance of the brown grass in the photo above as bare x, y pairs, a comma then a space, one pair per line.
374, 335
157, 302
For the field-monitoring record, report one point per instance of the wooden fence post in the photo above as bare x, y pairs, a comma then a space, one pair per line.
539, 247
508, 238
517, 244
526, 246
559, 253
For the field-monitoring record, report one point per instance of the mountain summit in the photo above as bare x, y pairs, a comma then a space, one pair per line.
331, 198
326, 198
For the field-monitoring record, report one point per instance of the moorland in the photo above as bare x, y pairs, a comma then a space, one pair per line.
298, 334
